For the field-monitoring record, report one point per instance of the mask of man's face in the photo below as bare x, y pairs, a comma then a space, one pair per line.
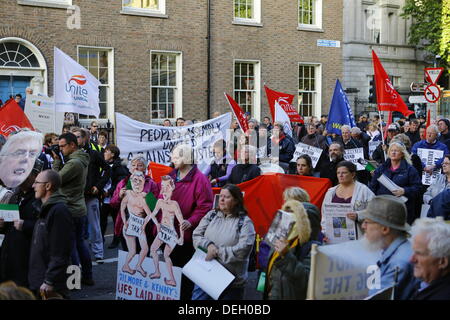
18, 161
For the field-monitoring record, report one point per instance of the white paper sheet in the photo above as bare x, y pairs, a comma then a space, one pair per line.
390, 185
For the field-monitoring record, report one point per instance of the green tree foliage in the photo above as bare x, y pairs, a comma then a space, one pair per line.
431, 26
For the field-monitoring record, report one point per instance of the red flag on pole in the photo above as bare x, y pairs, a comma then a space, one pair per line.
285, 102
12, 118
428, 121
387, 124
388, 98
238, 113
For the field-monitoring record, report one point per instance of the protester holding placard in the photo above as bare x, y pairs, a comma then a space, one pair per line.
228, 235
442, 182
398, 168
431, 142
195, 197
290, 260
347, 191
15, 250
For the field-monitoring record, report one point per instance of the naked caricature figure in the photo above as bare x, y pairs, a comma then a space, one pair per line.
134, 202
166, 229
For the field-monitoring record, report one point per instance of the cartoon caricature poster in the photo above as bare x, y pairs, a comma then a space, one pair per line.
140, 277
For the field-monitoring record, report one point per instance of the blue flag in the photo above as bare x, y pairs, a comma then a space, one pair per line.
340, 111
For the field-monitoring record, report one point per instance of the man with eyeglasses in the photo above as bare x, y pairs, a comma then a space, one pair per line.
385, 228
73, 181
52, 240
94, 131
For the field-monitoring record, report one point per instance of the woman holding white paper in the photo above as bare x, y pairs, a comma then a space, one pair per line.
347, 191
442, 182
398, 168
228, 235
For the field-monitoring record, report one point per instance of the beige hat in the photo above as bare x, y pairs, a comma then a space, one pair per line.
388, 211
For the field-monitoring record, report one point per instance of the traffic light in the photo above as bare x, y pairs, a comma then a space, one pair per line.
372, 92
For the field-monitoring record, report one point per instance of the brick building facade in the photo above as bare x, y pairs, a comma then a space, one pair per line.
152, 55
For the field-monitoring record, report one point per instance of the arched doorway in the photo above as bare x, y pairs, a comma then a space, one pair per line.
21, 65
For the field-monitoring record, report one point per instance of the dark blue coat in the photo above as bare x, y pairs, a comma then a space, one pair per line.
440, 205
405, 176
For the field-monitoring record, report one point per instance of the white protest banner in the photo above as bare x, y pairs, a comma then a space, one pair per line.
311, 151
134, 225
155, 143
40, 111
9, 212
353, 155
429, 157
136, 287
343, 271
372, 146
76, 89
336, 226
210, 276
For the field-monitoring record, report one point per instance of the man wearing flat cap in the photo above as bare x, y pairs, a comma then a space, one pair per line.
385, 228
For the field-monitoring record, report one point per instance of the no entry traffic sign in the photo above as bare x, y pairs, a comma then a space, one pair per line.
432, 93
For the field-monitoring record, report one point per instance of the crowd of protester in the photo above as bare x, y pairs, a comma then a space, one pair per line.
78, 180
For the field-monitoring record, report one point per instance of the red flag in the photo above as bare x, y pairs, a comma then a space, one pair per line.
387, 124
238, 113
12, 118
428, 121
388, 98
285, 102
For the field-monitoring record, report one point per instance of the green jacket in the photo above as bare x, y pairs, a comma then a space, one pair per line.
73, 175
289, 275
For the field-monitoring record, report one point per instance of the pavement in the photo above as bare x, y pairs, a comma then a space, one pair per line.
105, 277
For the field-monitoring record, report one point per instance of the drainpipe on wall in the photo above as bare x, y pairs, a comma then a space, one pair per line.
208, 76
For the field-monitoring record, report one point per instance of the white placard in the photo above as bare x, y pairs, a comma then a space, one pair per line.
373, 146
353, 155
338, 228
210, 276
40, 111
9, 212
429, 157
313, 152
168, 235
134, 225
137, 287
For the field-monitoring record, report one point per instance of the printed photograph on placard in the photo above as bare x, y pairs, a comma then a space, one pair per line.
281, 226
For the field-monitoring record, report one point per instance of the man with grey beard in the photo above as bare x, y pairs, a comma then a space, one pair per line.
328, 168
385, 229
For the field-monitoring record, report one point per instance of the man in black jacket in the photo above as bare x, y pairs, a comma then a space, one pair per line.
53, 235
328, 168
99, 173
245, 171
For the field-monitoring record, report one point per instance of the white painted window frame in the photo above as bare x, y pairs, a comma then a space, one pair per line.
317, 108
59, 4
257, 96
318, 17
158, 13
255, 21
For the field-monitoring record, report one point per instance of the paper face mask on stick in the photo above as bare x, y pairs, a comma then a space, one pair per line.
17, 157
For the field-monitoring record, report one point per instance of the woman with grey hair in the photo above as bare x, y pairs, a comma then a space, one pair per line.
431, 259
441, 183
398, 168
138, 163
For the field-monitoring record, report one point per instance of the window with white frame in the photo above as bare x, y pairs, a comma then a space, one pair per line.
310, 14
144, 6
246, 86
309, 87
99, 62
46, 3
372, 31
247, 11
166, 78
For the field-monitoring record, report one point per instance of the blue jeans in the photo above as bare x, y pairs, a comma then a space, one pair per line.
80, 251
227, 294
95, 232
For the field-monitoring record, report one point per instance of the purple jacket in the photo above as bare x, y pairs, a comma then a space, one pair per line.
195, 197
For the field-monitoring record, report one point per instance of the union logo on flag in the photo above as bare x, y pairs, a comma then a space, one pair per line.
79, 79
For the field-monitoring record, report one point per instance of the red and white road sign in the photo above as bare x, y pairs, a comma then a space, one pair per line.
433, 74
432, 93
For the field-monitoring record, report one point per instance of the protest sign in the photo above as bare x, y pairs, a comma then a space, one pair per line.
210, 276
40, 111
429, 157
341, 271
134, 225
372, 147
156, 143
136, 287
353, 155
311, 151
335, 224
9, 212
168, 235
280, 228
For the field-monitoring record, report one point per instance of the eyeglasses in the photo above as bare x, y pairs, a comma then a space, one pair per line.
62, 145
